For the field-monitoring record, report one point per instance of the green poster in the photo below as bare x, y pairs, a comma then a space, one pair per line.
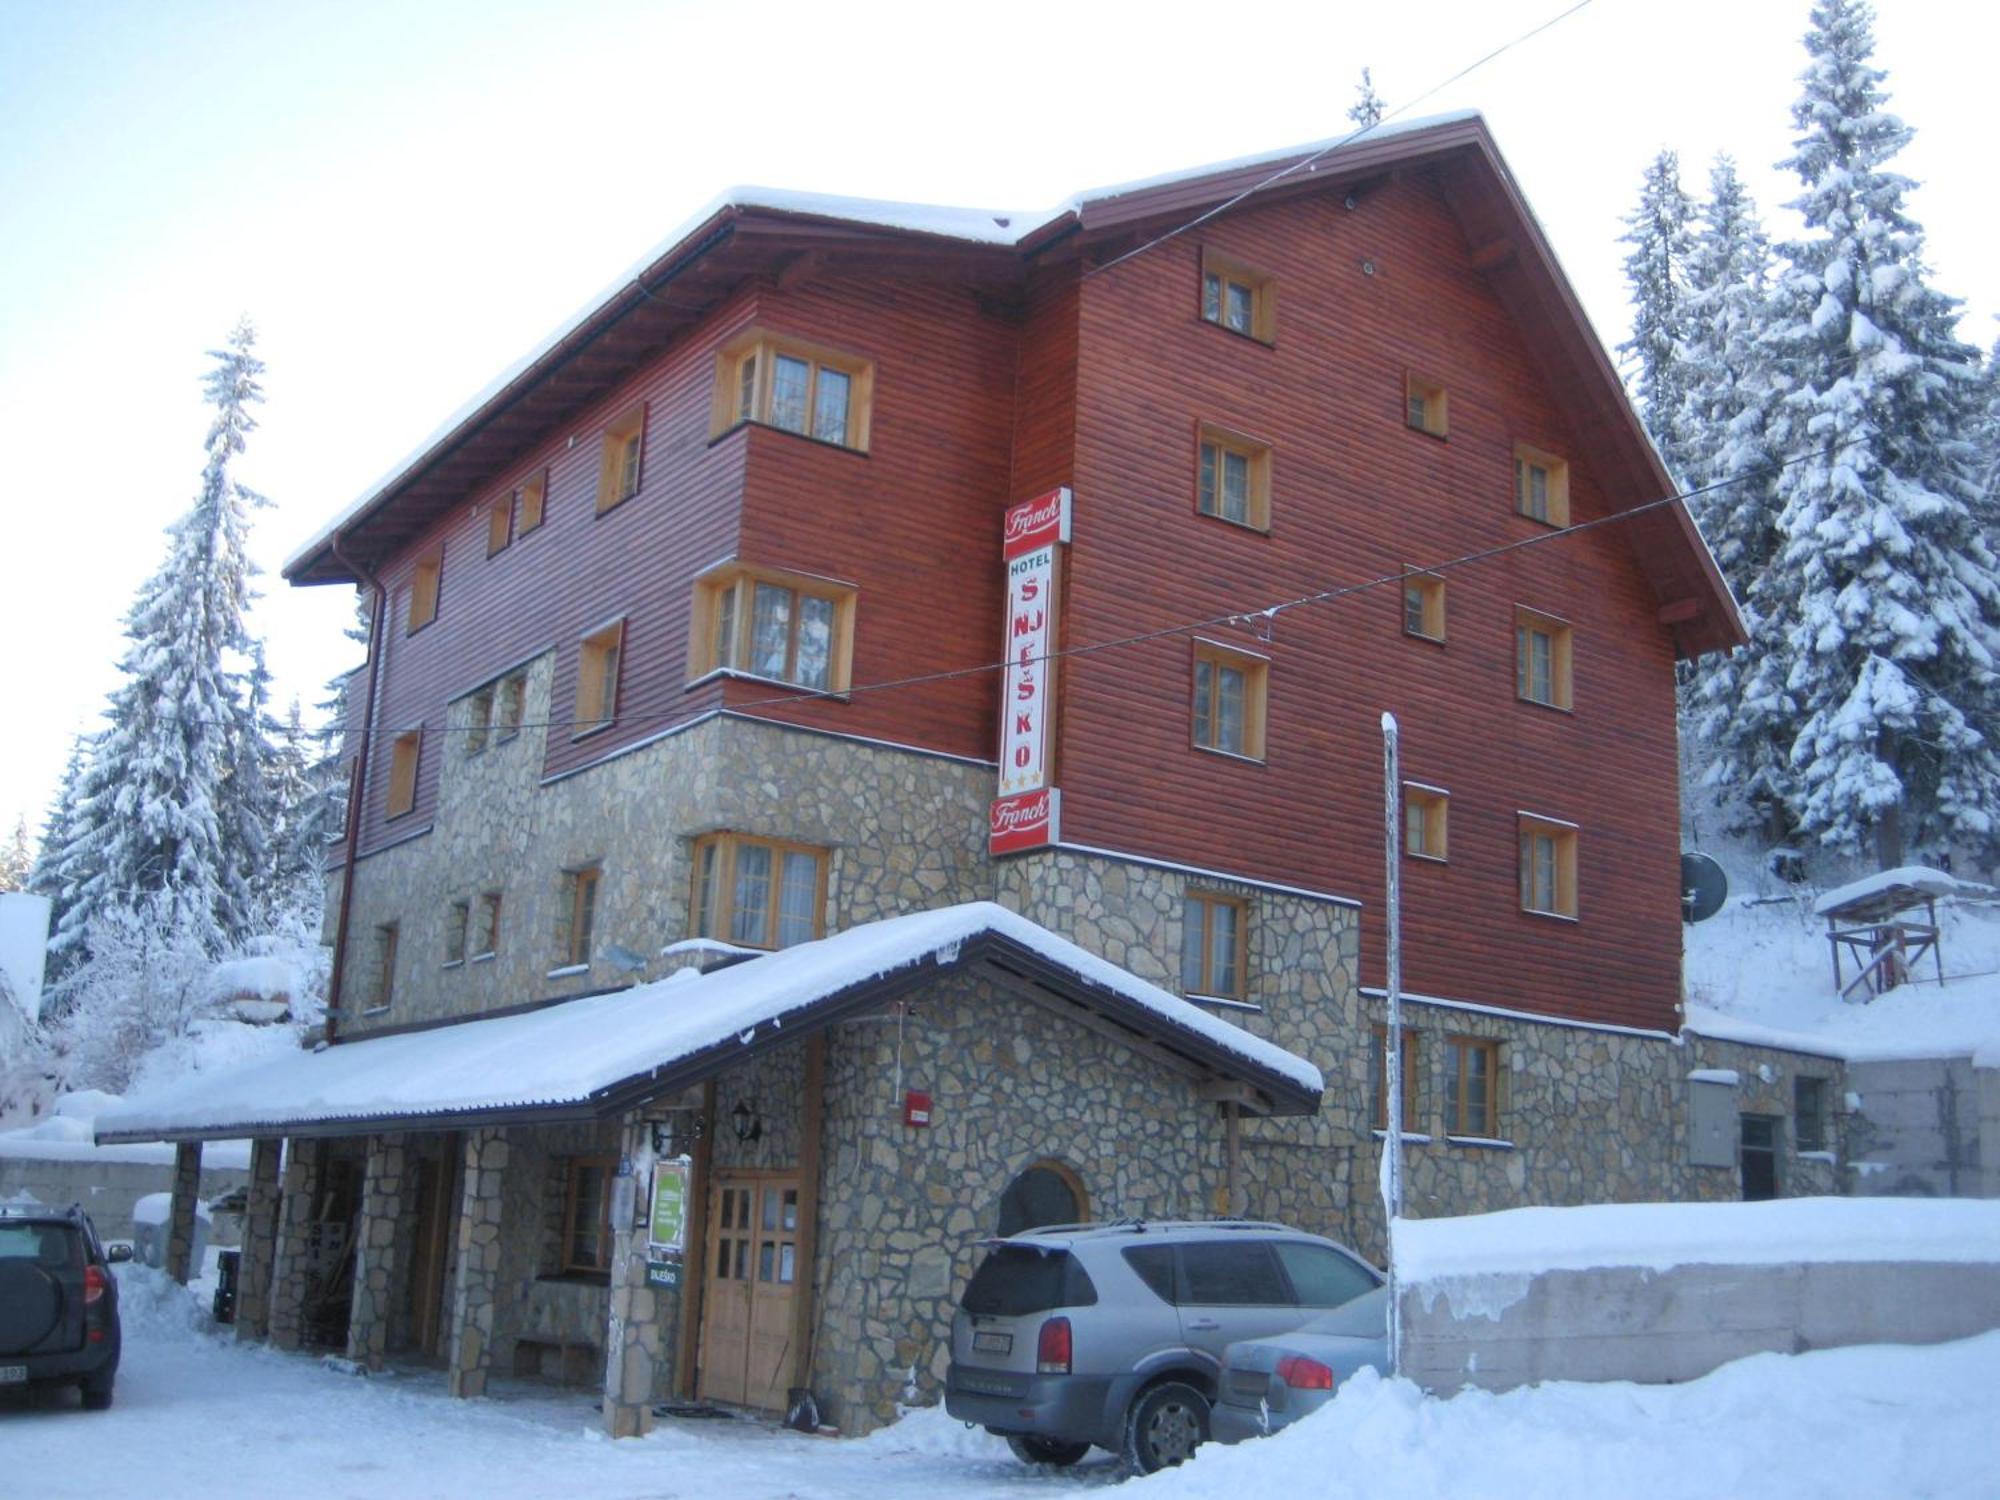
669, 1223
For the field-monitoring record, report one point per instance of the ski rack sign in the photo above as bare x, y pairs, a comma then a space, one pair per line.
1025, 814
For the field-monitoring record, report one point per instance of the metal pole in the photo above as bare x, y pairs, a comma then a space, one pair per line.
1392, 1144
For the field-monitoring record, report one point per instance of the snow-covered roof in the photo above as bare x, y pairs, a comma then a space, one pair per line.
1918, 880
595, 1055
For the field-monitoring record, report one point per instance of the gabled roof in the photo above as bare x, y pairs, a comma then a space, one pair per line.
765, 232
590, 1058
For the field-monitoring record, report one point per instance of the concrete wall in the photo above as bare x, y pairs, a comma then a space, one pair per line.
1621, 1323
108, 1189
1924, 1128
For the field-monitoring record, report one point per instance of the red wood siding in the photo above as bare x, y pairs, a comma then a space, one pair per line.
1356, 494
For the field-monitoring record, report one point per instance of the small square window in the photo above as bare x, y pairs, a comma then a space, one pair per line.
1237, 298
1423, 606
1213, 946
597, 678
478, 720
758, 892
404, 753
578, 915
1542, 659
1809, 1113
1472, 1087
383, 990
1233, 479
499, 526
509, 705
457, 922
486, 941
528, 499
1229, 693
619, 459
1424, 810
1412, 1079
1541, 486
1424, 405
1548, 867
424, 581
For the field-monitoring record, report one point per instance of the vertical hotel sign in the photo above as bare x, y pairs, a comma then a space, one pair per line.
1024, 814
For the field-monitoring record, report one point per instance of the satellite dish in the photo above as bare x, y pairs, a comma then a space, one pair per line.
1703, 887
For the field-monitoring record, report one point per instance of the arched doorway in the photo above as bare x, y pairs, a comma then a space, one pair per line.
1046, 1193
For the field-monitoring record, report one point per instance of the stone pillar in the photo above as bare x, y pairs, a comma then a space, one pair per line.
180, 1221
476, 1288
260, 1242
634, 1342
291, 1264
375, 1247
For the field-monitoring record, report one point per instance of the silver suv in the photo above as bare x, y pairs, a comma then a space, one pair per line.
1112, 1334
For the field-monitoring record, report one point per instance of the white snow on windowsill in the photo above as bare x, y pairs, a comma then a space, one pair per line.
1716, 1075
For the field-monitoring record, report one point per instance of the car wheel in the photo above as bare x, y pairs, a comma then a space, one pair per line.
1166, 1425
97, 1393
1041, 1450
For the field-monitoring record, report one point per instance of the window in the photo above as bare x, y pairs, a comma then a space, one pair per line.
758, 892
618, 460
597, 679
528, 500
1757, 1156
385, 968
1229, 700
478, 720
1424, 405
403, 754
1412, 1079
1423, 606
1548, 867
1541, 659
1226, 1274
486, 941
1424, 820
509, 702
586, 1243
456, 923
1323, 1277
788, 627
578, 915
1541, 486
795, 387
1809, 1113
1212, 945
1234, 482
1237, 298
499, 526
424, 590
1472, 1087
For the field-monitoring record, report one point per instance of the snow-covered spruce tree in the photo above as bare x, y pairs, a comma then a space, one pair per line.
16, 863
53, 874
302, 823
1882, 605
1367, 108
145, 984
1656, 270
170, 799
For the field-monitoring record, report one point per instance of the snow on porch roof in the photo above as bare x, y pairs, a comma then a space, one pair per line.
596, 1056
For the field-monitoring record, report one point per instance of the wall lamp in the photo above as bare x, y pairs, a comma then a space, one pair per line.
749, 1125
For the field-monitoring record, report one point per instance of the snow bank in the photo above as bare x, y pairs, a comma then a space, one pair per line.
262, 978
1660, 1236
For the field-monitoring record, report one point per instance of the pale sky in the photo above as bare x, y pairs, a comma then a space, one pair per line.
406, 196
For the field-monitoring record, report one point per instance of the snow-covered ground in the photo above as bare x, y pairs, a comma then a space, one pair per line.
197, 1415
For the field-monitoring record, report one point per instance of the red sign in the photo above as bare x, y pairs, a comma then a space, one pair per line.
1027, 820
917, 1109
1041, 522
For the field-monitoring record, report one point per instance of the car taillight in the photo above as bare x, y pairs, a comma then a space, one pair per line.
1052, 1351
93, 1285
1303, 1374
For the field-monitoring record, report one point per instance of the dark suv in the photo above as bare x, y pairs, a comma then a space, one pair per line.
58, 1303
1113, 1334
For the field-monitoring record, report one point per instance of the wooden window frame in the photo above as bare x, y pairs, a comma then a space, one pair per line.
1820, 1135
718, 924
1213, 904
1434, 802
1529, 623
1562, 837
600, 669
732, 586
1555, 509
426, 589
388, 936
514, 685
1426, 592
1257, 458
1435, 417
1263, 289
479, 718
1413, 1093
583, 885
406, 754
490, 910
457, 932
1256, 671
500, 525
621, 458
1458, 1076
573, 1171
744, 368
529, 502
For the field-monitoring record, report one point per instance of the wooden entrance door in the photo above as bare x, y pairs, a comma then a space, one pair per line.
437, 1200
753, 1268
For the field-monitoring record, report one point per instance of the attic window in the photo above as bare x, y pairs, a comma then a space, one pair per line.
1541, 486
795, 387
618, 464
1424, 405
1237, 298
424, 581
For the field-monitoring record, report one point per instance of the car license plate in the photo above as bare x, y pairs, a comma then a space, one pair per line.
13, 1374
993, 1343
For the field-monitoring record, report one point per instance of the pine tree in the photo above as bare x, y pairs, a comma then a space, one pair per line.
16, 864
1367, 108
302, 823
53, 874
170, 801
1656, 270
1882, 605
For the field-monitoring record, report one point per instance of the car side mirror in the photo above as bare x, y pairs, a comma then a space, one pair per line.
117, 1253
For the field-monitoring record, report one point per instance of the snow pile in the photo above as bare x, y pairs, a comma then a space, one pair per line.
265, 977
68, 1132
154, 1308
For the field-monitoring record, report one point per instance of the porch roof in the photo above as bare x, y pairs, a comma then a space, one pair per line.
588, 1058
